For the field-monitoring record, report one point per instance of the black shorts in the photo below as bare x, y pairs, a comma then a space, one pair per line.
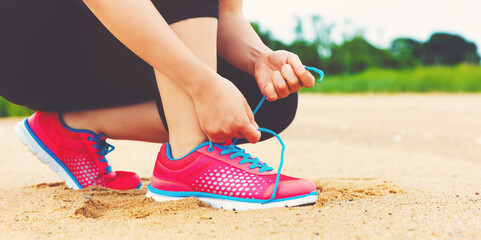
55, 55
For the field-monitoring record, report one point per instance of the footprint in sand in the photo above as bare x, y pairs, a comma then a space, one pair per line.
349, 189
98, 202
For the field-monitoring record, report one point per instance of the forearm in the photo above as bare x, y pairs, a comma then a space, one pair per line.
140, 27
237, 42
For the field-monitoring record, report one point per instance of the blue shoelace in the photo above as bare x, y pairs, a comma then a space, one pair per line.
104, 149
236, 151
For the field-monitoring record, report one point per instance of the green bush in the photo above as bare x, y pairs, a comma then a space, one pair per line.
8, 109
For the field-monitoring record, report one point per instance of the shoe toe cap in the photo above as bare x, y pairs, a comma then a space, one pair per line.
291, 188
125, 181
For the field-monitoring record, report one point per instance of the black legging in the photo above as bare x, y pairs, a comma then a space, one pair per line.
55, 55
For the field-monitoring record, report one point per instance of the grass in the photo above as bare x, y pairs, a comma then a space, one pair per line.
461, 78
8, 109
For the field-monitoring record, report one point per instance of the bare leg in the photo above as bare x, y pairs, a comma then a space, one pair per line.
185, 133
142, 122
134, 122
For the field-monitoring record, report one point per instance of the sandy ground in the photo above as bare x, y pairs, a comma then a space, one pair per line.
386, 167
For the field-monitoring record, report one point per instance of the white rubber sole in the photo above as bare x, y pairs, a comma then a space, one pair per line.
241, 206
27, 139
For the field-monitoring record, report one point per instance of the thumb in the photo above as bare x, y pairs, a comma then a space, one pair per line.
250, 131
250, 115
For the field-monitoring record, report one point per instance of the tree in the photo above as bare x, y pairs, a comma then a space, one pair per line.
403, 50
356, 55
322, 36
447, 49
267, 38
307, 51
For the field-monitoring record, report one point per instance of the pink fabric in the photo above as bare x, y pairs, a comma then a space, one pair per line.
181, 163
169, 185
124, 181
213, 173
291, 188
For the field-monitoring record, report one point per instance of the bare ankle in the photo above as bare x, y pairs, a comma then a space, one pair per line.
181, 147
80, 120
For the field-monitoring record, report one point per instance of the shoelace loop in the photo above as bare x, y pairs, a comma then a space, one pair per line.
255, 163
104, 149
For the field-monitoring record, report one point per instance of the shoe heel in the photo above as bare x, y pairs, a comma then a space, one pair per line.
28, 140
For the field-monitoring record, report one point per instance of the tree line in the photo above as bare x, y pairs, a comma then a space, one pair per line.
356, 54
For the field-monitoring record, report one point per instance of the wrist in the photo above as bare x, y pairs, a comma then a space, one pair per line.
256, 56
202, 79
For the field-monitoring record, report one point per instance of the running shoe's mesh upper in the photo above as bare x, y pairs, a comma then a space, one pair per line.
233, 182
84, 169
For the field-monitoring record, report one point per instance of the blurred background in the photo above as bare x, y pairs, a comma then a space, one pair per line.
376, 45
371, 46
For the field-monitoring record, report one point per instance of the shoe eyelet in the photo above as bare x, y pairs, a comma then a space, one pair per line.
210, 149
89, 138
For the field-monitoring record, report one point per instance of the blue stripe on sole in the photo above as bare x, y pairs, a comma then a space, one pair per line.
217, 196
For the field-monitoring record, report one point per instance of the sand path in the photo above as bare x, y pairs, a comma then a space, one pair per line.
387, 166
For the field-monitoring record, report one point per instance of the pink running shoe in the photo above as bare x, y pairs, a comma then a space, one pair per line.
78, 156
226, 177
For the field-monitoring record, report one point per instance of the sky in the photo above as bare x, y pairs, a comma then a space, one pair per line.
381, 21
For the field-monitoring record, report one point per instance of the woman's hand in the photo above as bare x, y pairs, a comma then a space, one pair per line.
224, 114
281, 73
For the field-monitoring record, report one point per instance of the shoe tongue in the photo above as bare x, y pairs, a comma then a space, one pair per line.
227, 142
102, 137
